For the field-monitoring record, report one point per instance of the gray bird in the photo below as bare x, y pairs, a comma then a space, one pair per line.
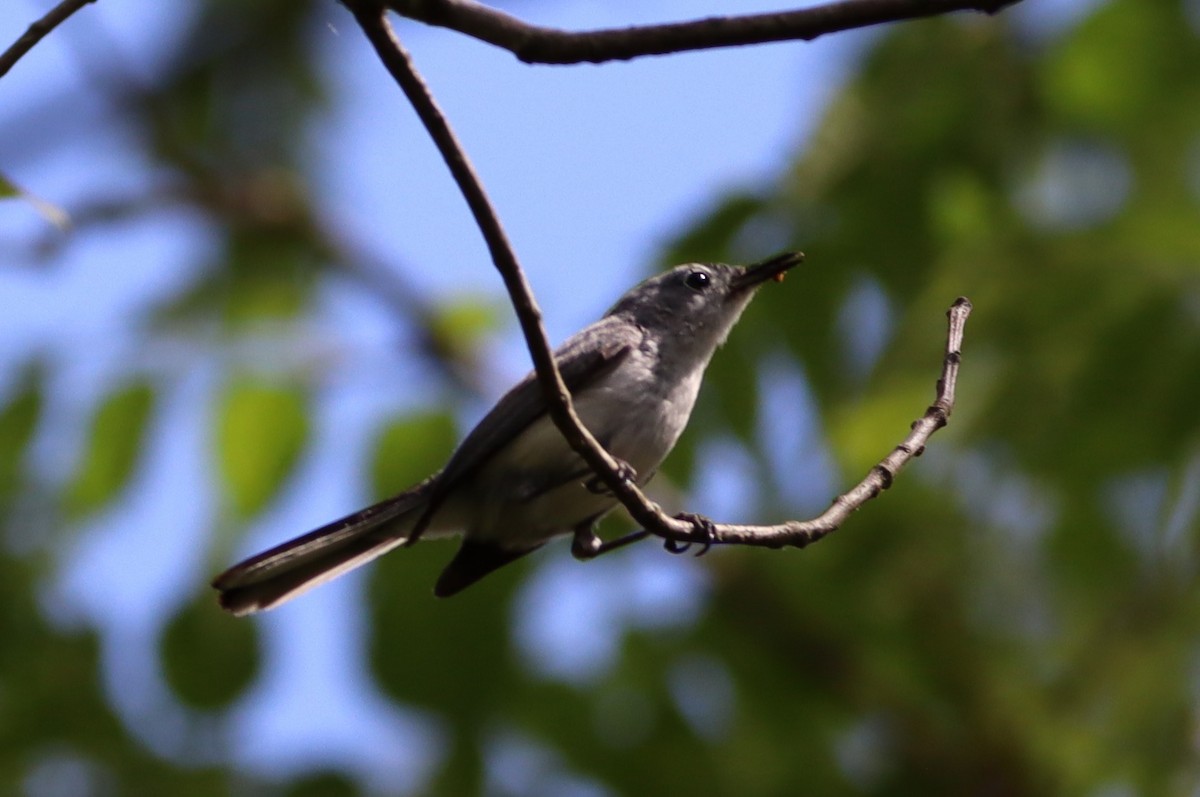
514, 483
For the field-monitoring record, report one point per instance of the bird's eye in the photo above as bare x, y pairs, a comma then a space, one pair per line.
697, 280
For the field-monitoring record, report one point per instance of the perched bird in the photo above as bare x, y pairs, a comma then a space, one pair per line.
514, 483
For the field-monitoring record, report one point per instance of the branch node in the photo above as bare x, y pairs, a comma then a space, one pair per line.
885, 476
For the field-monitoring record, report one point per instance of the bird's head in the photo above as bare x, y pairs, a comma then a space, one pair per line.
701, 301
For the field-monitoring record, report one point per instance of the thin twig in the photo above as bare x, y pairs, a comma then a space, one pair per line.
372, 18
536, 44
799, 533
38, 31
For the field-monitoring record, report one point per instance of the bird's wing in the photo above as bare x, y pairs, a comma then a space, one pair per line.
583, 358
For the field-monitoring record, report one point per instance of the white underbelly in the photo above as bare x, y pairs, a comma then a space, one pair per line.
528, 496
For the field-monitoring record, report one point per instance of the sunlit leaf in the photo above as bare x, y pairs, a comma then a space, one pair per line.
457, 327
410, 448
115, 440
1090, 88
864, 433
262, 429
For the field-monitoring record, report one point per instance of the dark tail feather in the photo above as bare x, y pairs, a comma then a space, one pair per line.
285, 571
473, 561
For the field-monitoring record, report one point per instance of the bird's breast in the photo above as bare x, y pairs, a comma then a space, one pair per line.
638, 416
535, 487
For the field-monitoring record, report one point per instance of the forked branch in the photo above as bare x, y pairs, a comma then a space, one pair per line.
799, 533
682, 529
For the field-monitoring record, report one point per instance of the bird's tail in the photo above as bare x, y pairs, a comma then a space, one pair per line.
294, 567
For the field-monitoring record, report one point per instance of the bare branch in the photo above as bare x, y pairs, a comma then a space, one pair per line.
536, 44
38, 31
799, 533
686, 528
372, 18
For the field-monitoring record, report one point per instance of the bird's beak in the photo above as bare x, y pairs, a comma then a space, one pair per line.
771, 268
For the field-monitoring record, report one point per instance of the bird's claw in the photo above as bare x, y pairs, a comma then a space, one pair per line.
624, 470
675, 546
586, 544
702, 526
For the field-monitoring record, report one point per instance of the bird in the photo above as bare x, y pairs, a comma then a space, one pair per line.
514, 483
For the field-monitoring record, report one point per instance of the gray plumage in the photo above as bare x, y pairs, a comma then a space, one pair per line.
514, 483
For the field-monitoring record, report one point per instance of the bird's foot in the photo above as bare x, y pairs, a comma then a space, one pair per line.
624, 470
587, 544
704, 528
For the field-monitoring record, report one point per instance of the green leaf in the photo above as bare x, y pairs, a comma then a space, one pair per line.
864, 432
457, 634
409, 449
732, 380
208, 657
262, 429
18, 419
457, 327
114, 443
269, 278
1086, 86
261, 277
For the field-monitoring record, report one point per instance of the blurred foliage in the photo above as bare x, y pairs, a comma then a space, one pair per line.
208, 664
261, 432
19, 418
1017, 616
410, 448
114, 441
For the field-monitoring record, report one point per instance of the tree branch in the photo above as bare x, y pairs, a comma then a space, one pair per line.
38, 31
686, 528
799, 533
682, 531
371, 17
536, 44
